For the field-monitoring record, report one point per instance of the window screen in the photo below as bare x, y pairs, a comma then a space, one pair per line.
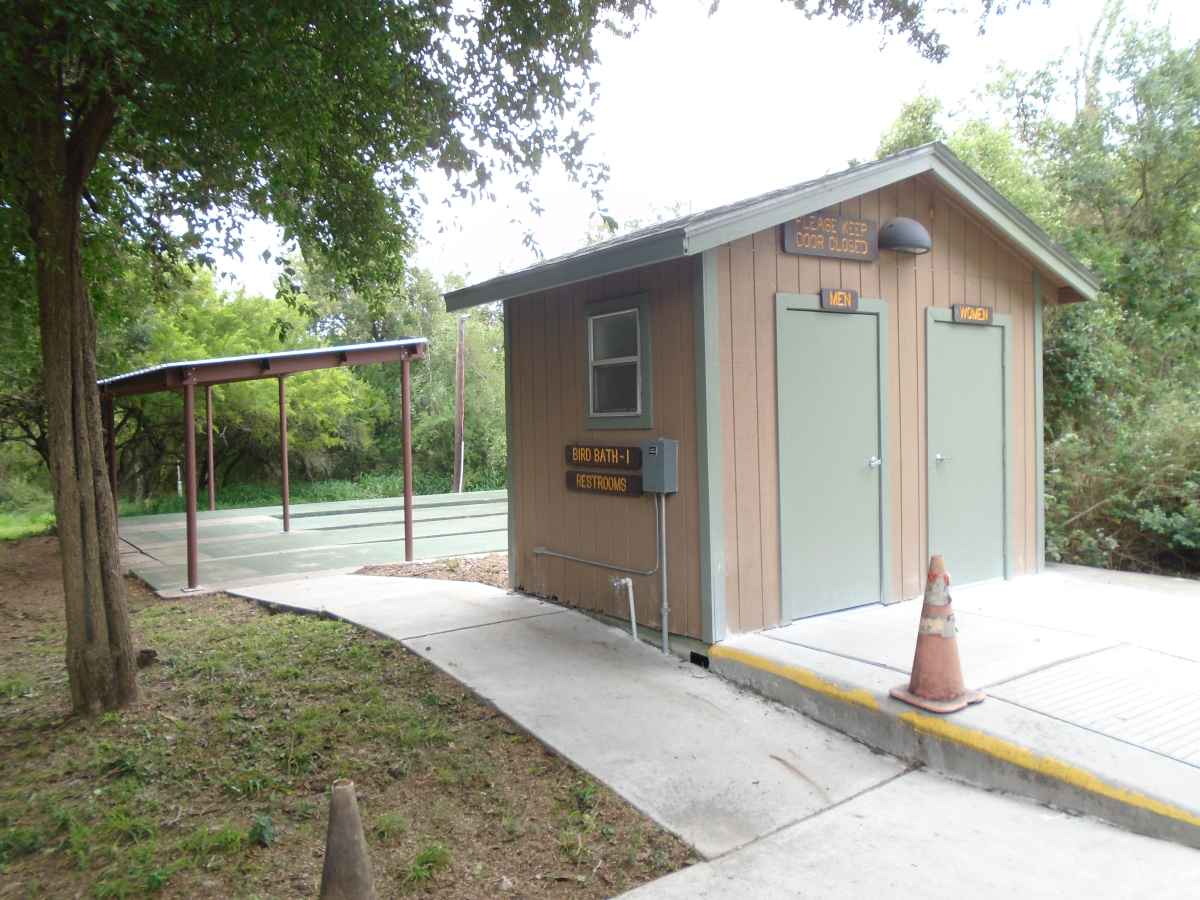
615, 363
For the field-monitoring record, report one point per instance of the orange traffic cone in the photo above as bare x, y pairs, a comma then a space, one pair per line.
937, 682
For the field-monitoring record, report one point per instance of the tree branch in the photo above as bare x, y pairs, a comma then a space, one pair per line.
87, 139
1090, 509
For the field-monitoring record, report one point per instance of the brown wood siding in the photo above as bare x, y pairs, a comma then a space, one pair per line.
548, 412
970, 263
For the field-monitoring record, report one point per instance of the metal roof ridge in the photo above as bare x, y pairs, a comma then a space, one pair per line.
275, 354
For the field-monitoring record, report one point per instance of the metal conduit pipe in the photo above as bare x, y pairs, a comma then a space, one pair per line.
627, 583
660, 564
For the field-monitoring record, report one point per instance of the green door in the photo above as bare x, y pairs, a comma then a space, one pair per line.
830, 457
966, 397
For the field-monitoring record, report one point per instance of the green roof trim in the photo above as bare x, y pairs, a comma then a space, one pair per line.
695, 233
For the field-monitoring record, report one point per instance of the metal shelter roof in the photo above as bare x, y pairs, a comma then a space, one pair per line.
173, 375
697, 232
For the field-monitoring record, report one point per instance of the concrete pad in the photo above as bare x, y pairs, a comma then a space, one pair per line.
992, 649
1151, 611
717, 766
921, 835
400, 607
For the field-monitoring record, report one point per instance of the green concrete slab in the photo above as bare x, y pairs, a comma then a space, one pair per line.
250, 547
159, 537
336, 506
148, 539
315, 540
396, 516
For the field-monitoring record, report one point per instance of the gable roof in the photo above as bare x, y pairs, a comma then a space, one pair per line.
697, 232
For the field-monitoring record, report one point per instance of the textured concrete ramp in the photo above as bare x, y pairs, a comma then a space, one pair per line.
1143, 698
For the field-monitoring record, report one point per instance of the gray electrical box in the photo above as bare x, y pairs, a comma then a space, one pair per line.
660, 466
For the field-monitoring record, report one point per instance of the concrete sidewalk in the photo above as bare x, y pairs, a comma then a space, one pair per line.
776, 802
1093, 681
926, 836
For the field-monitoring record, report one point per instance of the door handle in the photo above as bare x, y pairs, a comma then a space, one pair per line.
874, 462
937, 457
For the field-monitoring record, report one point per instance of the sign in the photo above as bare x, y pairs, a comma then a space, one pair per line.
831, 236
839, 299
618, 484
604, 457
972, 315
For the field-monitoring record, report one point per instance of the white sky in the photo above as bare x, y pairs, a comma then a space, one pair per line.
698, 111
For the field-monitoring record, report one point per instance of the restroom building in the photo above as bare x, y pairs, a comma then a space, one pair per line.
851, 368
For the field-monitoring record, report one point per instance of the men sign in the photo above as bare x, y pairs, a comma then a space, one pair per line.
839, 300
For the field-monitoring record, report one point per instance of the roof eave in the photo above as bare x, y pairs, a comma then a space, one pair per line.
1015, 225
630, 255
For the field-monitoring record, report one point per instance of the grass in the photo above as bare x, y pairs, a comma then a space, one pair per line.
425, 864
24, 524
216, 784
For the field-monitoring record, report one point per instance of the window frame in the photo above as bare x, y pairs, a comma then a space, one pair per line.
642, 418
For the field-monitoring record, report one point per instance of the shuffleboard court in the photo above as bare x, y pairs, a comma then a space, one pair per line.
243, 546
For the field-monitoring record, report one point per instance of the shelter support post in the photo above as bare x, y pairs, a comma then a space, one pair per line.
460, 406
283, 455
189, 482
406, 417
212, 472
110, 444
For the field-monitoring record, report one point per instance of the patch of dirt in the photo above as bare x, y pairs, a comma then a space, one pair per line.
491, 569
30, 580
216, 784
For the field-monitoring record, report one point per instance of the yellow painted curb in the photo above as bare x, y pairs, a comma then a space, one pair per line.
802, 677
971, 738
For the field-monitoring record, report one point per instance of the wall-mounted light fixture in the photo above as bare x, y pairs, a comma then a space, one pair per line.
905, 236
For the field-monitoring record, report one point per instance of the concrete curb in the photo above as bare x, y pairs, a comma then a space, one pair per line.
947, 746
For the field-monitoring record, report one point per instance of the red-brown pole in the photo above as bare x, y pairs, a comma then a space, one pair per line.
283, 454
460, 397
406, 418
212, 474
110, 445
189, 482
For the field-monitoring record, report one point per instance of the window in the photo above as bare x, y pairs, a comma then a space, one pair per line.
618, 364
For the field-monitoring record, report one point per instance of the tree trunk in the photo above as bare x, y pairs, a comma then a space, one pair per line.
100, 661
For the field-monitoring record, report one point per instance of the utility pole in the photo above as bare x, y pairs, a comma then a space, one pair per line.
460, 397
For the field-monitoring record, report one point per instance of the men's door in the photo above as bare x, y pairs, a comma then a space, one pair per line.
830, 455
966, 396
